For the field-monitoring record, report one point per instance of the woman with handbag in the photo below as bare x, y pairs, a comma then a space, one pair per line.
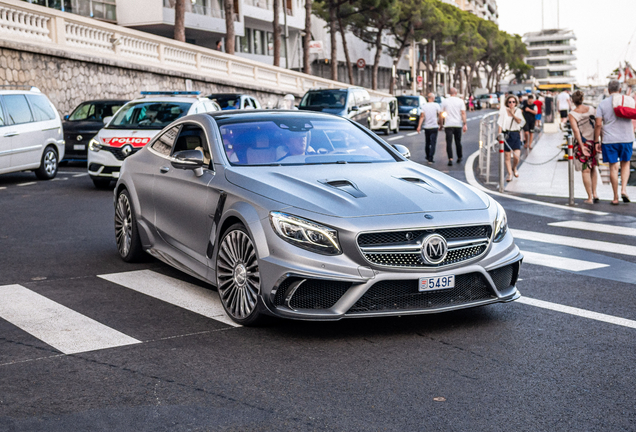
511, 122
585, 157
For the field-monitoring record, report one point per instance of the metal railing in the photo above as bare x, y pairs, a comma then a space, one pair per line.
38, 26
488, 144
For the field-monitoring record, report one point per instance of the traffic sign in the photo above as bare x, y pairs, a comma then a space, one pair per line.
419, 79
361, 63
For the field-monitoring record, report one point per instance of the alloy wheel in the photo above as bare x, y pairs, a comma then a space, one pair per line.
238, 276
123, 225
50, 162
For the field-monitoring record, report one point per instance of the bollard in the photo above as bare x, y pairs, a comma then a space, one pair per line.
502, 168
570, 170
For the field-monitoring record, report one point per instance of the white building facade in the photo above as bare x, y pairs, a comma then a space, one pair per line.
551, 55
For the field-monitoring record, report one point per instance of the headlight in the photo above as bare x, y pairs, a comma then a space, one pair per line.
414, 111
94, 145
501, 224
378, 117
305, 233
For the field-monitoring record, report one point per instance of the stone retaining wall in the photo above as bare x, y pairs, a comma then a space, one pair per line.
70, 81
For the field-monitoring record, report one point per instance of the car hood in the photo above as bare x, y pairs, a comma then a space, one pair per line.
337, 111
121, 137
359, 190
82, 126
405, 109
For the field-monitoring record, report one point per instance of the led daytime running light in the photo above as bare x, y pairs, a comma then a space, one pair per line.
305, 234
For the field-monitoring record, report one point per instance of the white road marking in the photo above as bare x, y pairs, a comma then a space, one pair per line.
59, 178
395, 138
55, 324
412, 134
578, 312
3, 187
80, 175
559, 262
602, 228
26, 184
576, 242
471, 180
174, 291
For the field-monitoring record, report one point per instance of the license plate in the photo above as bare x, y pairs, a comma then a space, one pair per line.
79, 147
437, 283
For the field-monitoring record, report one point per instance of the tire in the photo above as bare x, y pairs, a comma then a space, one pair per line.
237, 276
397, 128
101, 183
48, 164
126, 230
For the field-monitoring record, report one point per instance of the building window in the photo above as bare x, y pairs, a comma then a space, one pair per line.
270, 43
100, 9
259, 47
243, 42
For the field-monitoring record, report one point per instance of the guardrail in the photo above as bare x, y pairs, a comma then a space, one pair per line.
488, 143
22, 22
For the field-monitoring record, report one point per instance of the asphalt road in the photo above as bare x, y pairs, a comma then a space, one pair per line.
561, 358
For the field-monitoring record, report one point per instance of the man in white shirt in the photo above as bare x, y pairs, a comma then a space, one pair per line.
564, 103
431, 116
455, 112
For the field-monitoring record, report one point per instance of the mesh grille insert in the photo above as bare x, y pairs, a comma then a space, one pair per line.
312, 294
388, 296
503, 277
415, 259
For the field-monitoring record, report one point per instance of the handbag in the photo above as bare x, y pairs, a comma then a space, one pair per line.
624, 106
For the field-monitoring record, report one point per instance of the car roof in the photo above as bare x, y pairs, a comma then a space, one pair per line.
229, 94
105, 101
255, 114
168, 99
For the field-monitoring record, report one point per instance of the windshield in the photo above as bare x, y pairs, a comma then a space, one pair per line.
295, 141
94, 111
325, 99
149, 115
408, 101
227, 101
380, 106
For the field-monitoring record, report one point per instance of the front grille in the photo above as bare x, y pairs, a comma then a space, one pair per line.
504, 277
387, 296
116, 151
403, 248
312, 293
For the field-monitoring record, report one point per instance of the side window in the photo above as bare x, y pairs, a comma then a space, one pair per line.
41, 107
163, 144
18, 110
2, 122
352, 99
192, 137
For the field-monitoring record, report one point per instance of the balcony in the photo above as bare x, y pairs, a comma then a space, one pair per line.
105, 10
208, 8
268, 5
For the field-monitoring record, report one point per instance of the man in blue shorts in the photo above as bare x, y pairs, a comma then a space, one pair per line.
617, 143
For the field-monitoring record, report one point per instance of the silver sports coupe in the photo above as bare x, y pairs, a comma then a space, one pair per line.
311, 216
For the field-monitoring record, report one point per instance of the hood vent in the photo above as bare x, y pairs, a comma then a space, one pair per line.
345, 186
421, 183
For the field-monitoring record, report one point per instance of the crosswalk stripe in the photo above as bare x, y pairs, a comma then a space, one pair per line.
395, 138
578, 312
559, 262
55, 324
174, 291
412, 134
80, 175
26, 184
576, 242
602, 228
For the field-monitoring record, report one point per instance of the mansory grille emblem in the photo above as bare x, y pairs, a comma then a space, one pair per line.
434, 249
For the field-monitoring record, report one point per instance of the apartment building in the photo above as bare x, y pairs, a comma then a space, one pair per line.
551, 54
486, 9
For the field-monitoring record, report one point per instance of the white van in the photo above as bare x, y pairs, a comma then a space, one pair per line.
31, 136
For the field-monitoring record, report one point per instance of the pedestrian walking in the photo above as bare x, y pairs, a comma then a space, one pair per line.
432, 119
564, 104
455, 124
582, 122
615, 137
510, 122
529, 111
471, 103
539, 104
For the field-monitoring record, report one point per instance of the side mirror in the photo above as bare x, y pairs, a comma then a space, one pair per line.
403, 150
188, 159
107, 119
354, 108
66, 117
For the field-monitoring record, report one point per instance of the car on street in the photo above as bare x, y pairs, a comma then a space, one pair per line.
409, 109
232, 101
31, 135
384, 115
310, 216
488, 100
134, 125
352, 103
84, 123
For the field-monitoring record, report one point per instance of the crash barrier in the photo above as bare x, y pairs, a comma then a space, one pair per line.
25, 23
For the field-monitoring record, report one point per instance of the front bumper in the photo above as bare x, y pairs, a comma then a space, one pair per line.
107, 162
302, 285
408, 120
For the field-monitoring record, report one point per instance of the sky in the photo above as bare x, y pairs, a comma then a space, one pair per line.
603, 29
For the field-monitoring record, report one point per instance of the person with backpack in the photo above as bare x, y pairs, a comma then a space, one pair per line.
617, 140
582, 122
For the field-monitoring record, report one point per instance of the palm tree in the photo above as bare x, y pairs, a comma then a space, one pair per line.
179, 20
229, 26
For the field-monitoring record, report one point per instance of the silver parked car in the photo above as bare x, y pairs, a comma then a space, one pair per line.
311, 216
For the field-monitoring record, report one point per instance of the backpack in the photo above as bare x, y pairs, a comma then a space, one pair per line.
624, 106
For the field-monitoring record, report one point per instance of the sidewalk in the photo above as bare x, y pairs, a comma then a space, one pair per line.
543, 174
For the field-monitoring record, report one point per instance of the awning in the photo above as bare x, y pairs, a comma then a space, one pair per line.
554, 86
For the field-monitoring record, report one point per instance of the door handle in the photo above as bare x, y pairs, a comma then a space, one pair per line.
10, 134
164, 169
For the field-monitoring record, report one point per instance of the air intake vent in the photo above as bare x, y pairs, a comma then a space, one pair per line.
421, 183
345, 186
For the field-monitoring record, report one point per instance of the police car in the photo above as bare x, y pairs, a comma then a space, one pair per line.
134, 125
